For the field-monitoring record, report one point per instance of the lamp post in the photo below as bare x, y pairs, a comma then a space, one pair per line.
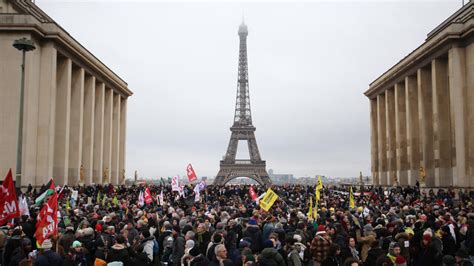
24, 45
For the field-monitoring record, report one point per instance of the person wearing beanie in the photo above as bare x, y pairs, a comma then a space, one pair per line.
178, 247
428, 254
449, 245
196, 258
48, 257
255, 234
448, 260
320, 245
394, 251
270, 255
365, 241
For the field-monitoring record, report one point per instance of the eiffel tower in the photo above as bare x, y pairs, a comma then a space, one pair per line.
242, 129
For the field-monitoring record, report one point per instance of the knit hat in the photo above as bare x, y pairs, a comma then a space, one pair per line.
427, 237
321, 228
400, 261
252, 222
268, 244
76, 244
47, 244
98, 227
249, 257
449, 260
368, 228
244, 244
194, 251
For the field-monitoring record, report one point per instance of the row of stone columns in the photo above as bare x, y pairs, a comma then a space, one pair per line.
90, 122
424, 120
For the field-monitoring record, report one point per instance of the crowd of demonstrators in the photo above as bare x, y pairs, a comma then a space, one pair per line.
107, 225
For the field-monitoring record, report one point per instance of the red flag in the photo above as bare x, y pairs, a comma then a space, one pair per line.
252, 193
148, 199
9, 208
47, 224
191, 174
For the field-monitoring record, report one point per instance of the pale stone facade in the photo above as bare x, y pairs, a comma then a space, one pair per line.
422, 110
75, 107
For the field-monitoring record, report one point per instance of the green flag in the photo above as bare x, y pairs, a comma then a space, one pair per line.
115, 201
98, 198
103, 200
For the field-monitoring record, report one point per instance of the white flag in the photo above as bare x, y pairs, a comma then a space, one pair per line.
175, 183
197, 196
181, 190
23, 205
141, 199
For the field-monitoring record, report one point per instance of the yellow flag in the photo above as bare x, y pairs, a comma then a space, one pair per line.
115, 201
310, 210
318, 196
267, 201
351, 199
315, 210
320, 183
103, 200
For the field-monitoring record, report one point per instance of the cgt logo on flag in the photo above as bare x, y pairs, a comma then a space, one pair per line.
191, 174
8, 201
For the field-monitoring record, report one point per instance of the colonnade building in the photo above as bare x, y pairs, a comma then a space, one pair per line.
422, 111
75, 107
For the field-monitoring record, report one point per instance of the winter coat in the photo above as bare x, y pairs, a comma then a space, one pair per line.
268, 228
366, 242
428, 256
255, 234
373, 255
200, 260
320, 246
48, 258
178, 251
271, 257
119, 252
293, 258
332, 261
148, 247
401, 239
449, 246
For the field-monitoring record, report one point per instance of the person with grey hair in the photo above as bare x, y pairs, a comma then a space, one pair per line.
190, 235
48, 257
221, 257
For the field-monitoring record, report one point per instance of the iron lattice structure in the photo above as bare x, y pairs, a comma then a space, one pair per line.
242, 129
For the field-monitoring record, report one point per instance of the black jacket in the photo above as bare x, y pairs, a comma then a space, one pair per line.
119, 253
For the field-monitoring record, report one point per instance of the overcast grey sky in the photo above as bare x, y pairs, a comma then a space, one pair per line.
309, 64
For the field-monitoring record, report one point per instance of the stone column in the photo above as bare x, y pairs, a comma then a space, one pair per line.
401, 134
88, 126
108, 111
123, 131
77, 113
98, 132
374, 141
46, 113
441, 123
63, 109
116, 139
469, 119
382, 139
457, 93
390, 120
412, 120
425, 113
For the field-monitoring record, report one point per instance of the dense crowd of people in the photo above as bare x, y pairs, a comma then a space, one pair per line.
224, 226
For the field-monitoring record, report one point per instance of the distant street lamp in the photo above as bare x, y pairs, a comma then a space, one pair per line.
24, 45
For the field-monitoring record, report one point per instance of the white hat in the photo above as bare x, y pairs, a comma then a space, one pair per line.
47, 244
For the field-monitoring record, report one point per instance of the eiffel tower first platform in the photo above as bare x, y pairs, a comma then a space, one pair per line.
242, 129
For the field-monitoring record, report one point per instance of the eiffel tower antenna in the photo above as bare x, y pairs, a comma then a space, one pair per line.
242, 129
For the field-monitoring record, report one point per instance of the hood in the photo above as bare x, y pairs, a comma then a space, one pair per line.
118, 246
269, 253
253, 229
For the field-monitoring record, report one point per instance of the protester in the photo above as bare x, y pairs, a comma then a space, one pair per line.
224, 226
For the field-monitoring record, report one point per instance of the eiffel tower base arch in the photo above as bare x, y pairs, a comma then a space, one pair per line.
255, 171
